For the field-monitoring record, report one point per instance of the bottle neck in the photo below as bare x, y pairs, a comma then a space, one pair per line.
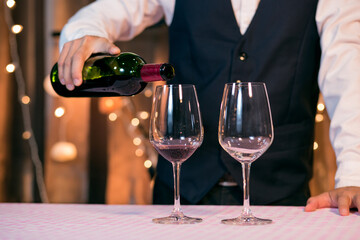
151, 73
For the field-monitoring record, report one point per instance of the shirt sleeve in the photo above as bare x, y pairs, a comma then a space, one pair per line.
116, 20
339, 81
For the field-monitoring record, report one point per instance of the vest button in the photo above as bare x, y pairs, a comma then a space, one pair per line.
243, 56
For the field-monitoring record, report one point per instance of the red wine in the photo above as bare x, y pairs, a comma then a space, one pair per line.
176, 153
124, 75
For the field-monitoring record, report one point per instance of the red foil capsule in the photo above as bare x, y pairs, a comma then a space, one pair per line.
151, 72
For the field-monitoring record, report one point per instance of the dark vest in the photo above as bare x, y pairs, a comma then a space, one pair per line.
280, 48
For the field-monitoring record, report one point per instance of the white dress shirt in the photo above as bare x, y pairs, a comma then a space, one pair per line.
338, 25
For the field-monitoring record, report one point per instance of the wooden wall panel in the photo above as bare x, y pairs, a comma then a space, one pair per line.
5, 107
324, 158
66, 181
128, 181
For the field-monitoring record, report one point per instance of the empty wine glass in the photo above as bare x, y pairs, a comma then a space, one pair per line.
176, 131
245, 132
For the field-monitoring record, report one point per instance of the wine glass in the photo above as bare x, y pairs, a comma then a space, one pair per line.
245, 132
176, 131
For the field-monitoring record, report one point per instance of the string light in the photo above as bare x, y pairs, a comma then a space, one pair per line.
148, 93
25, 109
10, 3
113, 117
148, 163
10, 68
321, 107
17, 28
319, 117
25, 99
316, 146
59, 112
26, 135
135, 122
144, 115
137, 141
139, 152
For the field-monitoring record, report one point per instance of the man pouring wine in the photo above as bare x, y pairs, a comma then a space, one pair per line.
296, 48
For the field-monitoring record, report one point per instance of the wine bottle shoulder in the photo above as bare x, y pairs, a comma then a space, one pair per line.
126, 63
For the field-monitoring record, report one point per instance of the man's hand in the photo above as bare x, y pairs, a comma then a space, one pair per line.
75, 53
343, 198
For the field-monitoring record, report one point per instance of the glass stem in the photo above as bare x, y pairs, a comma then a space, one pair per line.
176, 171
246, 212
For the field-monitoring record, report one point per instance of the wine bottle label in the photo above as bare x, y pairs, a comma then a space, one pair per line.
151, 72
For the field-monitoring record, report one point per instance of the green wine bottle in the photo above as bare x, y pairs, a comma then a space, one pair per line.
126, 74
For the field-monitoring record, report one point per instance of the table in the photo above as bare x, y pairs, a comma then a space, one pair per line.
86, 221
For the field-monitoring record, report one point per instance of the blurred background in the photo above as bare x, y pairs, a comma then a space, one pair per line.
68, 150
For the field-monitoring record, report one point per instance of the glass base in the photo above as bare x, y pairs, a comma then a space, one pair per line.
177, 219
246, 220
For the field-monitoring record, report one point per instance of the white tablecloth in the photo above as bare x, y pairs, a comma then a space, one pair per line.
85, 221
